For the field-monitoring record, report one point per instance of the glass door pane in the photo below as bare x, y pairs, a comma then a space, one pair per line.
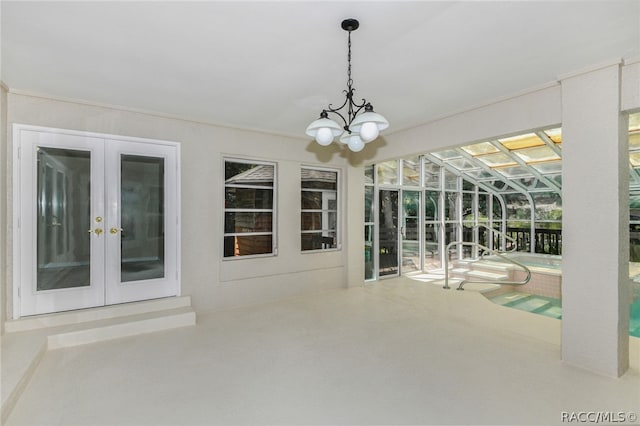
142, 218
388, 233
410, 231
63, 201
143, 243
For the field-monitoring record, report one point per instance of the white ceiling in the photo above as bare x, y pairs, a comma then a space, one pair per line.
273, 65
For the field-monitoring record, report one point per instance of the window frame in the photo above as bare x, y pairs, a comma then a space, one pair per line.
273, 210
337, 211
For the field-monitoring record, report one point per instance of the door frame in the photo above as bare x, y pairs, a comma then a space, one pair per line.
17, 199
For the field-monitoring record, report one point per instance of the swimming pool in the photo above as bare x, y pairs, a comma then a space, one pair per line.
539, 261
552, 307
542, 294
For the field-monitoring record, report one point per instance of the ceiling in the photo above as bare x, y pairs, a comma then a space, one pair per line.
273, 65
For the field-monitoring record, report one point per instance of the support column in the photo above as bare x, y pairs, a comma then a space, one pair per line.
595, 198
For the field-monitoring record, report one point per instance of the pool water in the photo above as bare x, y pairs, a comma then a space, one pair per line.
550, 307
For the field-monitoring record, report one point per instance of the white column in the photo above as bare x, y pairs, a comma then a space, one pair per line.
353, 232
595, 181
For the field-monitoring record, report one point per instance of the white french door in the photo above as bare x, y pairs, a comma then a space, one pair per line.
96, 222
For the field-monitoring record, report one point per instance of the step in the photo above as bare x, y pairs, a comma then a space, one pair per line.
464, 263
488, 276
508, 299
113, 328
532, 304
553, 312
459, 271
493, 266
95, 314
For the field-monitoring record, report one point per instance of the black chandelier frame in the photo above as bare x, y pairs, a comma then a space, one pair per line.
353, 108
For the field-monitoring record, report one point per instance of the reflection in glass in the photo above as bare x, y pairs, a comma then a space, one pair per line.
63, 218
539, 153
318, 240
497, 208
447, 154
388, 232
411, 171
450, 205
245, 245
368, 204
248, 198
368, 174
368, 252
142, 218
431, 202
522, 141
550, 167
243, 222
496, 160
462, 164
249, 208
388, 173
515, 171
467, 206
554, 134
478, 174
480, 148
410, 231
431, 175
518, 210
319, 209
431, 247
450, 181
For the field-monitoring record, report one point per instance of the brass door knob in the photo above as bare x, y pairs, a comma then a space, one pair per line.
96, 231
115, 230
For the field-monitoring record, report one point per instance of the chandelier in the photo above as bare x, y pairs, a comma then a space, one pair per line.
359, 128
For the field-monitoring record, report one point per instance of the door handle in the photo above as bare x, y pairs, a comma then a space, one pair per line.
116, 230
96, 231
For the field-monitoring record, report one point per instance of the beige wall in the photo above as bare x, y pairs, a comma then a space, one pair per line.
212, 282
3, 202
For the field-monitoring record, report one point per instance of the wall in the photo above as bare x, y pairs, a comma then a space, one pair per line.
3, 203
212, 282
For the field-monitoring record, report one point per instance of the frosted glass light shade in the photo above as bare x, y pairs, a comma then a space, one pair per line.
324, 130
369, 131
368, 117
324, 136
353, 140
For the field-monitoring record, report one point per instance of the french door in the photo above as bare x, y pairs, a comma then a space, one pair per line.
398, 232
97, 220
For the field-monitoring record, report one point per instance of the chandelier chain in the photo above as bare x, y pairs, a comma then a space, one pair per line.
349, 80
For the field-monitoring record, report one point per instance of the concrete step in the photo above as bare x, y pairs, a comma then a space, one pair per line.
113, 328
488, 276
95, 314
